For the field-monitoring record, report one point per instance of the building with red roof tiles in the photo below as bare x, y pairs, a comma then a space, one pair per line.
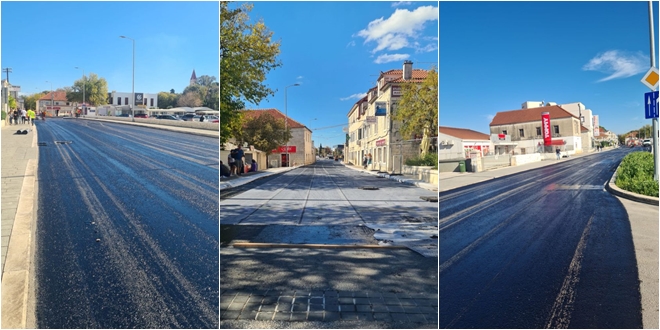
55, 103
520, 132
371, 129
460, 143
300, 147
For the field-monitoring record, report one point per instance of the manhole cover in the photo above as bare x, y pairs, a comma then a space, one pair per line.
432, 199
369, 188
63, 142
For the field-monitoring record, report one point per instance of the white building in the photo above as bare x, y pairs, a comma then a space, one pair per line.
143, 101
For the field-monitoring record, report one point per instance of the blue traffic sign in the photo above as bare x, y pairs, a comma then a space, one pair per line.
651, 104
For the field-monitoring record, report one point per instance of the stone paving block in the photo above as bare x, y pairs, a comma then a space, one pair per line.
328, 294
417, 318
388, 295
424, 302
227, 296
346, 301
332, 301
269, 300
331, 307
256, 299
360, 294
284, 307
347, 308
273, 293
251, 306
364, 316
251, 315
382, 317
379, 308
407, 302
349, 316
426, 309
345, 294
268, 308
224, 305
235, 306
362, 301
392, 301
315, 316
300, 307
316, 307
315, 300
265, 316
331, 316
241, 299
286, 300
431, 318
396, 309
399, 317
259, 292
377, 300
298, 316
412, 310
279, 316
316, 294
242, 293
363, 308
229, 315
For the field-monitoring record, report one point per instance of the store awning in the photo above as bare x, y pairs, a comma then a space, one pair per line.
557, 142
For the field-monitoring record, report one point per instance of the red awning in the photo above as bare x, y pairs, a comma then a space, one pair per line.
557, 143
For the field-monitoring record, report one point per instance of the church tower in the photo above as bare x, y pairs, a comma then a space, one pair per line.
193, 78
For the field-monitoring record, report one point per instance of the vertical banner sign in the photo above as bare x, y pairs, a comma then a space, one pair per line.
545, 120
139, 98
596, 126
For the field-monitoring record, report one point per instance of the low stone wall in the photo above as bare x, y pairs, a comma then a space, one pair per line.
451, 165
424, 173
525, 159
165, 122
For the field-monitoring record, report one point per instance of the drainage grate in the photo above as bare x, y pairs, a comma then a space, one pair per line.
369, 188
407, 218
432, 199
63, 142
43, 144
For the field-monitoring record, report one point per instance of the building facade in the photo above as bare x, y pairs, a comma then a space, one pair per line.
459, 143
143, 101
524, 128
372, 129
55, 103
300, 147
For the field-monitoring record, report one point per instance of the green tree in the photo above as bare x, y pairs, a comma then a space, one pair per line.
172, 91
417, 111
167, 100
321, 150
95, 88
211, 98
205, 80
11, 102
30, 101
247, 54
264, 132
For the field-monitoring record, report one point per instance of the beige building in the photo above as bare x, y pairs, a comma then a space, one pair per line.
55, 103
524, 129
301, 149
372, 130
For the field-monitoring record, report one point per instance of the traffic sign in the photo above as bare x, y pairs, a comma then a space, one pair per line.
651, 104
651, 78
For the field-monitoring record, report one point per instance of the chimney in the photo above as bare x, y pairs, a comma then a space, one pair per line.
407, 70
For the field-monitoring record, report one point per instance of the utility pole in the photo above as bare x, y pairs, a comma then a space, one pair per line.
7, 71
656, 136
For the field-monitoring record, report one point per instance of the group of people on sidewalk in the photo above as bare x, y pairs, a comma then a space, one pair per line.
366, 160
236, 160
22, 117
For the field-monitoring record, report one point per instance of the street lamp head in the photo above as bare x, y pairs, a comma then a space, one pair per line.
296, 84
122, 36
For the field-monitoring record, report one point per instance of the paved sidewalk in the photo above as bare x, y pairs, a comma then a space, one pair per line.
189, 130
235, 181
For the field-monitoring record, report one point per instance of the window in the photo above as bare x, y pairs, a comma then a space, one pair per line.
538, 131
152, 101
521, 132
118, 100
359, 134
556, 129
504, 132
126, 100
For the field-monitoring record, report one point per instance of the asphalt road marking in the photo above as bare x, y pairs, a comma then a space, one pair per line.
560, 315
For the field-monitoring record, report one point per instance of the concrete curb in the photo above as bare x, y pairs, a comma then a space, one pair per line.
16, 274
614, 190
194, 131
398, 178
246, 180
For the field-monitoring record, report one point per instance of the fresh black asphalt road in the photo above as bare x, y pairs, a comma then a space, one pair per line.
127, 228
547, 248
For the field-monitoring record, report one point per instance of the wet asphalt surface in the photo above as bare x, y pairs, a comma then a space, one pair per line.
127, 228
547, 248
322, 204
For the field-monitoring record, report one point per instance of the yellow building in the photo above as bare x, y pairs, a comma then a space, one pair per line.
371, 128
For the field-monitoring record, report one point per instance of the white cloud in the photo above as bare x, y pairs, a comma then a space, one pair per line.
351, 44
426, 49
393, 33
618, 64
299, 77
401, 3
385, 58
354, 96
490, 117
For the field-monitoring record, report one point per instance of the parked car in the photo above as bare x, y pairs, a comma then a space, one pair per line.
207, 119
124, 115
188, 117
141, 115
168, 117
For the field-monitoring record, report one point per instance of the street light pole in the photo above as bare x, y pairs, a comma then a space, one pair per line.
52, 102
133, 84
84, 107
286, 126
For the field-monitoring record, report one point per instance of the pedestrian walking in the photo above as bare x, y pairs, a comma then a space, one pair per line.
23, 116
238, 157
15, 114
232, 162
558, 151
31, 115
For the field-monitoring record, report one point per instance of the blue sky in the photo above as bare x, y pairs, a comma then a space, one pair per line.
45, 41
336, 50
497, 55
